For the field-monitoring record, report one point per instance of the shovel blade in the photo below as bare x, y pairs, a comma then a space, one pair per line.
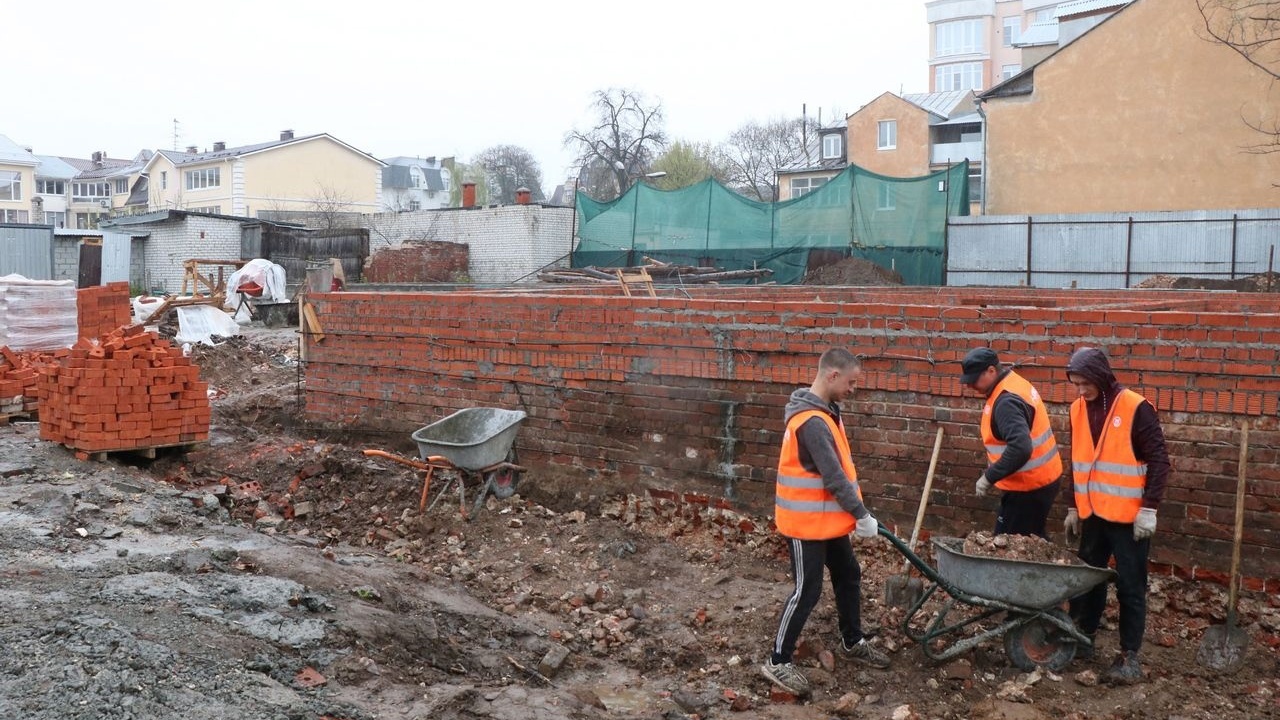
1223, 648
903, 591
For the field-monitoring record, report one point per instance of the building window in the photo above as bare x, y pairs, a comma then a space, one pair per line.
1009, 71
1012, 31
211, 209
10, 185
804, 186
56, 219
51, 187
89, 191
831, 146
201, 179
415, 205
415, 178
961, 76
887, 136
958, 37
164, 180
122, 186
1044, 15
975, 184
884, 196
13, 216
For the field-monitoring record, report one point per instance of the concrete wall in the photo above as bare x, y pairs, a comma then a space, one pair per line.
687, 393
1142, 113
507, 244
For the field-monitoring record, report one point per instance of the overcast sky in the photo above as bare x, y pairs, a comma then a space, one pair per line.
436, 77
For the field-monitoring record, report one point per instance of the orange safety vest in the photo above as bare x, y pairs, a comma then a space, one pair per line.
1045, 465
803, 508
1109, 479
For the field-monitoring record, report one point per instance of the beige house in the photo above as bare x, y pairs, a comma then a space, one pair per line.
824, 159
17, 183
1141, 112
315, 173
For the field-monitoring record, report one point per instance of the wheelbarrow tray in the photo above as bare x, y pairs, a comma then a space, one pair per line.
1025, 583
472, 439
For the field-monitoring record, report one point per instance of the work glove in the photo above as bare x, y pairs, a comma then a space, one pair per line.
866, 527
1145, 525
1072, 524
982, 487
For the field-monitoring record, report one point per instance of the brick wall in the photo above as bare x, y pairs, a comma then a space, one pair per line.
172, 243
687, 392
507, 244
66, 258
417, 262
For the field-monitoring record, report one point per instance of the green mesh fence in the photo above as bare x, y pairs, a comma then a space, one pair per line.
898, 223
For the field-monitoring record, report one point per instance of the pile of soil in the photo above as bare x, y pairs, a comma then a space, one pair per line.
1262, 282
852, 271
1018, 547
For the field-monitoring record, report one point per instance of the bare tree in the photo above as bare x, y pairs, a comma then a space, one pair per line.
507, 168
626, 135
755, 152
1251, 28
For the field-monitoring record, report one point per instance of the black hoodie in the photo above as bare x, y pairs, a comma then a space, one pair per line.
1147, 437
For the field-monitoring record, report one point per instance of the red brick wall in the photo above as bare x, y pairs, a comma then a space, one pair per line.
428, 261
687, 392
104, 308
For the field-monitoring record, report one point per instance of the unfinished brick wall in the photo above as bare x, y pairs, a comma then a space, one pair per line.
687, 392
425, 261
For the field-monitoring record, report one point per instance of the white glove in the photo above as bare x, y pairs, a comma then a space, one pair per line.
866, 527
982, 487
1072, 524
1145, 525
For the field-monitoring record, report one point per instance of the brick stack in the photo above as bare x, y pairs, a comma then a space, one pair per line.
99, 310
130, 391
18, 375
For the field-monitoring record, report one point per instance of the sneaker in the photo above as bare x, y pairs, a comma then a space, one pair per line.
786, 676
865, 654
1126, 669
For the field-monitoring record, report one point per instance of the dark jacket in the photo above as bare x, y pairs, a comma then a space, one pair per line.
1147, 436
818, 450
1011, 419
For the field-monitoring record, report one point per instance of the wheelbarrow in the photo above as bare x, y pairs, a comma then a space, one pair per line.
1036, 632
473, 443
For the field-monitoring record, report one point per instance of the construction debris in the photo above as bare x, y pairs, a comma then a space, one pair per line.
661, 273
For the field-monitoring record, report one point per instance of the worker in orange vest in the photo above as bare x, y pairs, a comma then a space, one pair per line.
818, 503
1022, 454
1121, 468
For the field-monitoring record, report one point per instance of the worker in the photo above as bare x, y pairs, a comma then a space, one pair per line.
1022, 454
1121, 468
818, 503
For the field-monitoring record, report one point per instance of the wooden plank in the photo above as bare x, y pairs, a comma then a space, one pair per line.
313, 322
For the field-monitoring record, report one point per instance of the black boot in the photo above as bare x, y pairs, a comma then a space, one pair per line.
1126, 669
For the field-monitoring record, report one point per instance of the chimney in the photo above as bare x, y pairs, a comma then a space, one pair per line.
523, 195
192, 149
97, 157
219, 146
286, 134
468, 194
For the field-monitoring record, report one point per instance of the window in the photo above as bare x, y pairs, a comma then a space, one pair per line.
122, 186
51, 187
1012, 31
211, 209
884, 196
804, 186
10, 185
13, 216
961, 76
975, 185
1009, 71
958, 37
56, 219
89, 191
1044, 15
415, 177
164, 180
887, 137
201, 179
415, 205
831, 146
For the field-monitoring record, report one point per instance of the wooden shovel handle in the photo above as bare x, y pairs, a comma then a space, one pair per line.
1235, 549
924, 496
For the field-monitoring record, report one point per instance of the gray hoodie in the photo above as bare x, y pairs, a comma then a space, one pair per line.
818, 454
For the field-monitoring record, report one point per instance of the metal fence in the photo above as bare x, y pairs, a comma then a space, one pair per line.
26, 250
1108, 251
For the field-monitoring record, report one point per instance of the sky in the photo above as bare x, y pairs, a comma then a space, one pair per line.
436, 77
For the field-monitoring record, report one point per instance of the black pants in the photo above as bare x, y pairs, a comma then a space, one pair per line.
807, 560
1100, 540
1025, 513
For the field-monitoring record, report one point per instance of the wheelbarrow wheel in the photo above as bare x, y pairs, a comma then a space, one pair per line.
503, 480
1040, 643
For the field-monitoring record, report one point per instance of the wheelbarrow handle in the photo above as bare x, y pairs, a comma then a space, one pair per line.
433, 462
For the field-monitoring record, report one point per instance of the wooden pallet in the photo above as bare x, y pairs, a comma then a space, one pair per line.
29, 416
145, 451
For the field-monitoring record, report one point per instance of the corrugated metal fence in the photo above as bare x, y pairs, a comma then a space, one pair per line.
26, 250
1108, 251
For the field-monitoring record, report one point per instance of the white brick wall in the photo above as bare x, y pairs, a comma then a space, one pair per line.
507, 244
171, 243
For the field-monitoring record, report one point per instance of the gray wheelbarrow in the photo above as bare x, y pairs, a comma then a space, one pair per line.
473, 442
1036, 632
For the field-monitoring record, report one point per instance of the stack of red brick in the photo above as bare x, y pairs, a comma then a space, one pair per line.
130, 391
18, 375
99, 310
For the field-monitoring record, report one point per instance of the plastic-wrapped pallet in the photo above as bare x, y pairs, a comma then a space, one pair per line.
37, 314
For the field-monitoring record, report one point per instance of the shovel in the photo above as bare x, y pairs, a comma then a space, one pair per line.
1223, 646
902, 590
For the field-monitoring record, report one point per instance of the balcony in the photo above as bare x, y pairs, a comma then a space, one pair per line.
943, 153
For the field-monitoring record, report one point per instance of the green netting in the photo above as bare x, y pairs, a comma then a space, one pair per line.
898, 223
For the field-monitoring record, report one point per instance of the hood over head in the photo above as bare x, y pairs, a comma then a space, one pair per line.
1092, 365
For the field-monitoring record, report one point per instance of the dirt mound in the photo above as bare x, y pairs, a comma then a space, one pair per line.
852, 271
1262, 282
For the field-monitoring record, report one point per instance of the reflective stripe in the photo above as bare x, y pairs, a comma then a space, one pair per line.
1045, 437
1110, 468
800, 483
813, 506
1095, 486
996, 450
1034, 463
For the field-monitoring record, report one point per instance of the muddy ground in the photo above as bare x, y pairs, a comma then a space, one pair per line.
275, 574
